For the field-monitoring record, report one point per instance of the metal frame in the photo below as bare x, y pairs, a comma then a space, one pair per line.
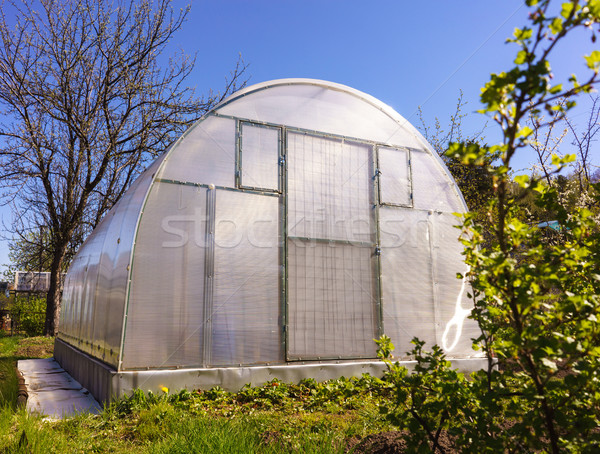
220, 188
377, 252
373, 245
239, 183
283, 237
409, 174
297, 130
209, 269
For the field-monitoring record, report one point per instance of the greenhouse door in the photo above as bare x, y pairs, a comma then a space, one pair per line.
331, 298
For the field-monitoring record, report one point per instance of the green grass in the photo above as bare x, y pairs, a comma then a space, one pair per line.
274, 418
8, 376
12, 349
308, 417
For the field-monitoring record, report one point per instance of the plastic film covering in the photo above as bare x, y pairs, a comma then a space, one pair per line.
70, 302
329, 189
407, 277
245, 312
394, 177
165, 310
80, 291
260, 157
94, 293
321, 108
457, 330
432, 187
70, 309
113, 272
331, 308
205, 154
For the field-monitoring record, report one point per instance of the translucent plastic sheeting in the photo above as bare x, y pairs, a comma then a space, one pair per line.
329, 188
205, 154
165, 310
95, 294
245, 315
259, 156
432, 187
320, 108
407, 277
80, 292
457, 330
71, 302
114, 272
331, 304
394, 176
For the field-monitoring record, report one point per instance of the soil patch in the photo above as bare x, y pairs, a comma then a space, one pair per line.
35, 347
389, 443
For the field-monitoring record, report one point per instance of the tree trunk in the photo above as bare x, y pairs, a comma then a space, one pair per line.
54, 292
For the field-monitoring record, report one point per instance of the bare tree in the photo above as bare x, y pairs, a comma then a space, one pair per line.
583, 140
546, 140
86, 104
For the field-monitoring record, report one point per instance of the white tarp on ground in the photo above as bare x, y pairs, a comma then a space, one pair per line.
52, 391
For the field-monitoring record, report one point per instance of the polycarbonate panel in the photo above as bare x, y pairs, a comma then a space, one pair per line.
166, 302
88, 277
320, 108
94, 292
206, 154
457, 330
329, 188
394, 176
246, 312
407, 277
79, 292
114, 272
331, 309
259, 155
70, 302
432, 187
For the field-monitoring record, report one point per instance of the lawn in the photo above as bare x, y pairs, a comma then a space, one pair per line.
333, 417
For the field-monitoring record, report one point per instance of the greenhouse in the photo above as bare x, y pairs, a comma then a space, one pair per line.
282, 233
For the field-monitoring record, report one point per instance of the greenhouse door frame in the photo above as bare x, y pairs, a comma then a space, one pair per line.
373, 262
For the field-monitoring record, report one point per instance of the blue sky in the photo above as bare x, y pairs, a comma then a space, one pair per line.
407, 54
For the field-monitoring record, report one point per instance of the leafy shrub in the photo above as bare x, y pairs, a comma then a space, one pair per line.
537, 302
29, 314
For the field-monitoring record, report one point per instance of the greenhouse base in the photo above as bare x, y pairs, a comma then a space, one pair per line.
106, 384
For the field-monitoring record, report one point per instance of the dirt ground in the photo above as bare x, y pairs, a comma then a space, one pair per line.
35, 347
388, 443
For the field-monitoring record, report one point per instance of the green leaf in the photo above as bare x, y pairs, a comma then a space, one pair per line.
560, 162
556, 89
522, 34
522, 180
567, 9
521, 57
556, 25
594, 8
593, 60
525, 131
